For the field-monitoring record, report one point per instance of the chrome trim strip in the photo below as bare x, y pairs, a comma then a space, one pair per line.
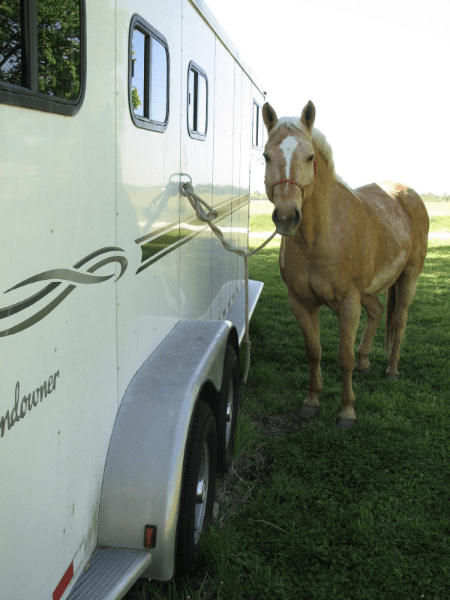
149, 257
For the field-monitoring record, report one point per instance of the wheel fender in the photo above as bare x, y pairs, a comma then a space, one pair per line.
143, 471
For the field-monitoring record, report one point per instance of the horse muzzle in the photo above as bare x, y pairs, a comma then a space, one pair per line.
286, 224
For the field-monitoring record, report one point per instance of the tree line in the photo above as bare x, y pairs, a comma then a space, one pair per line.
429, 197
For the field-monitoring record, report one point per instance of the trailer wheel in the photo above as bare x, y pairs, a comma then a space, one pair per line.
226, 410
197, 492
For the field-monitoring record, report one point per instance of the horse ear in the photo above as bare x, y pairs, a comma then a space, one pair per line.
309, 115
269, 116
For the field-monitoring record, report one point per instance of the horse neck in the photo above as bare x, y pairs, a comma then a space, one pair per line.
316, 203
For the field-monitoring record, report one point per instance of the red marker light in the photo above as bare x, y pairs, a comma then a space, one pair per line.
150, 536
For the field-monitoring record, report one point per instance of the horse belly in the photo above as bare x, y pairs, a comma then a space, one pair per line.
388, 274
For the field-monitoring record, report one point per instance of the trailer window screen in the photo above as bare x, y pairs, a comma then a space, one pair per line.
42, 54
197, 101
149, 76
257, 126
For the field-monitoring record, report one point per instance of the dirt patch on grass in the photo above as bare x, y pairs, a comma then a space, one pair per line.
275, 425
246, 476
250, 472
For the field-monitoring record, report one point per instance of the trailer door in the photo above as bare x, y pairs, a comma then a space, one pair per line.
148, 101
197, 137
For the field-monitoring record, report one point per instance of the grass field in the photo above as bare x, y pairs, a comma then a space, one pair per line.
261, 207
309, 512
438, 208
260, 216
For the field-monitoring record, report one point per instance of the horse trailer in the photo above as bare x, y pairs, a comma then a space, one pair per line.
121, 314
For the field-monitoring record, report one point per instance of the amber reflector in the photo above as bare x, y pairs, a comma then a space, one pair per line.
149, 536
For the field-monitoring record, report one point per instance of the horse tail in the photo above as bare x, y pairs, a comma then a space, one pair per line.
390, 305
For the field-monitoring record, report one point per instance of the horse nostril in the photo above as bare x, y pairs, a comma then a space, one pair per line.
275, 216
284, 220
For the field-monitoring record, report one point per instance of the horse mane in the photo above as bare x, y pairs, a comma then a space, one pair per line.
320, 141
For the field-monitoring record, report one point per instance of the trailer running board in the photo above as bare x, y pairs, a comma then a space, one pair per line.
110, 573
236, 314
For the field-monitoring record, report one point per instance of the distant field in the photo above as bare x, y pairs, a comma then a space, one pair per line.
260, 207
264, 207
261, 210
438, 208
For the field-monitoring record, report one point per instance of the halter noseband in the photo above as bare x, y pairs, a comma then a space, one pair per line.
302, 187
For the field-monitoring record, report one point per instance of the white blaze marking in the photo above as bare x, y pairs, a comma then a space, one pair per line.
288, 145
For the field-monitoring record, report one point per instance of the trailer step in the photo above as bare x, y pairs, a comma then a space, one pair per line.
110, 574
236, 314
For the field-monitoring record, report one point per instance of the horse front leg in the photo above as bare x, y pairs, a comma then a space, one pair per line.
309, 324
349, 312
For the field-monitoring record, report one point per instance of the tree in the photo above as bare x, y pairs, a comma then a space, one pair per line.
429, 197
135, 100
10, 42
58, 29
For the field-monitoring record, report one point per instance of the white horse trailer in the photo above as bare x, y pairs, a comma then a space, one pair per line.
121, 314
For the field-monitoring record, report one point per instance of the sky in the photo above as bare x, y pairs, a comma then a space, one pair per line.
378, 72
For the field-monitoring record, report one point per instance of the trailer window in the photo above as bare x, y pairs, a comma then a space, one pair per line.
197, 102
149, 76
42, 54
257, 126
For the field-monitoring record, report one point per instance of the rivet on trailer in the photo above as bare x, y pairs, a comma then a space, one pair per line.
121, 315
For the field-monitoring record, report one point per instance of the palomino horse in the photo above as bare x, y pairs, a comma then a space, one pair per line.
341, 247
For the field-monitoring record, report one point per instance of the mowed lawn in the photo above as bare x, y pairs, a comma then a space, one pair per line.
309, 512
368, 514
258, 207
261, 211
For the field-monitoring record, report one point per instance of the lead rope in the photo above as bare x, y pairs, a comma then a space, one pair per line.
187, 190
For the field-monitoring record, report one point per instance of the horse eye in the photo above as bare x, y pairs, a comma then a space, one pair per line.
266, 158
311, 157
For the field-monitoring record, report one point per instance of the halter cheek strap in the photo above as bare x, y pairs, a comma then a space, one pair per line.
302, 187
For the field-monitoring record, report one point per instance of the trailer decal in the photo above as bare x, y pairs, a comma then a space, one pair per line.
27, 403
65, 275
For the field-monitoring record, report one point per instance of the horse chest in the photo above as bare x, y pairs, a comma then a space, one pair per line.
311, 283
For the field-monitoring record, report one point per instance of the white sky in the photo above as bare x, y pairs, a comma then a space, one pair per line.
378, 72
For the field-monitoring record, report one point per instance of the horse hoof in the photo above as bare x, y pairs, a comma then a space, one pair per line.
343, 423
392, 376
368, 370
309, 412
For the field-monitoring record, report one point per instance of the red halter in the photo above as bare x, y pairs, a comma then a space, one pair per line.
302, 187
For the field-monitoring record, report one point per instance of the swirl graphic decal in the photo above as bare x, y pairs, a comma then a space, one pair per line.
64, 275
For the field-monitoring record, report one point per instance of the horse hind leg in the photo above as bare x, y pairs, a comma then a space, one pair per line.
374, 310
405, 289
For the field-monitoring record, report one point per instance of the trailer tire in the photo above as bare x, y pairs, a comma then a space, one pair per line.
198, 486
226, 410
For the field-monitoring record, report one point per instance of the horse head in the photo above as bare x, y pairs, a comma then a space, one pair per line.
290, 165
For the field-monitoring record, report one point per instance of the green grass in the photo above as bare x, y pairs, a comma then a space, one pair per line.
261, 223
316, 513
438, 223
